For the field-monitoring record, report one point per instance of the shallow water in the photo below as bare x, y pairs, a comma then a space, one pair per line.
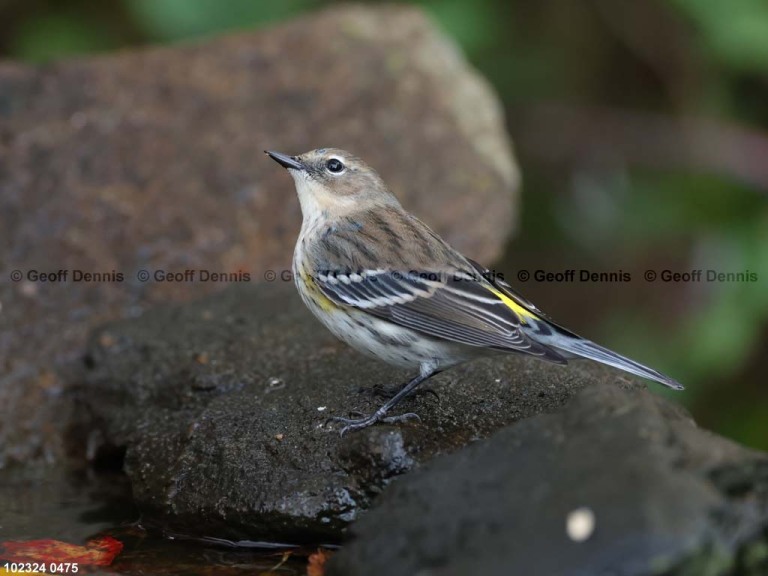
62, 504
77, 506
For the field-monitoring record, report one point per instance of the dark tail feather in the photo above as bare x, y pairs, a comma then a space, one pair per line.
586, 349
566, 344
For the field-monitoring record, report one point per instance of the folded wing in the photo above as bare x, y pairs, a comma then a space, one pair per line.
460, 306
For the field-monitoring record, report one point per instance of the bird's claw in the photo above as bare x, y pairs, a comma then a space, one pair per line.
401, 418
352, 424
344, 420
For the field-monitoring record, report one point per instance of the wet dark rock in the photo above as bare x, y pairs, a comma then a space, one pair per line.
152, 160
222, 407
666, 498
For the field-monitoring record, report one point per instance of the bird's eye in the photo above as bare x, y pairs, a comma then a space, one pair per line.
335, 166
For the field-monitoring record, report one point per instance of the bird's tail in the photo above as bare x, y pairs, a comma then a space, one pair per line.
570, 344
565, 344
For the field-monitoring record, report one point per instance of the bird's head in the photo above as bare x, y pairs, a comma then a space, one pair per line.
332, 182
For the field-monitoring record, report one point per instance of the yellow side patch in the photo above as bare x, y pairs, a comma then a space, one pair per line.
518, 309
316, 294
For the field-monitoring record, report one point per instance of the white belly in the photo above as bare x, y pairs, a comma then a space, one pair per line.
390, 343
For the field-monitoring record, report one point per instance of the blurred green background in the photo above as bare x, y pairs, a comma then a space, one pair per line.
640, 127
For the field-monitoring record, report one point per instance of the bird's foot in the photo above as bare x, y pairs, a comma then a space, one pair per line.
352, 424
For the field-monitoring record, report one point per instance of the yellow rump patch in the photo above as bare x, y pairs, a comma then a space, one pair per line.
517, 308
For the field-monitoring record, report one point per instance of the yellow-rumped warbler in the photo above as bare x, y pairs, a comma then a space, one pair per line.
387, 285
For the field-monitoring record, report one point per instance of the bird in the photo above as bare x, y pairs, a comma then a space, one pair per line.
386, 284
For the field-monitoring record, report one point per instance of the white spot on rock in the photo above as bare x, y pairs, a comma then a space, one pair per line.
580, 524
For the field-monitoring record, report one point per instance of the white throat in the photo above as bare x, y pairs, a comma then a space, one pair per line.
317, 204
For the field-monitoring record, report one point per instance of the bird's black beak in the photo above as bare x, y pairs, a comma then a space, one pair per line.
285, 160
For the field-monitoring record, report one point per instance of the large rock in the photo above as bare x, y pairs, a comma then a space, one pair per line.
222, 405
152, 160
644, 491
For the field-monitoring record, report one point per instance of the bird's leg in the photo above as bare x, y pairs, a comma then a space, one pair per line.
381, 414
